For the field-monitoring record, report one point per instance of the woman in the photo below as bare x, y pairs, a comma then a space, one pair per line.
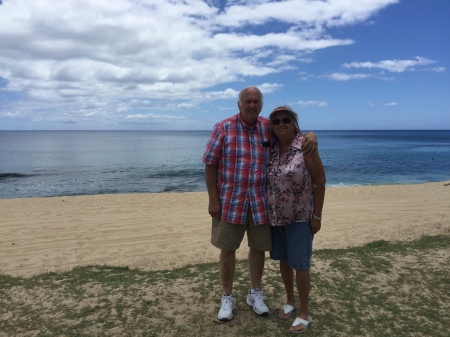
296, 186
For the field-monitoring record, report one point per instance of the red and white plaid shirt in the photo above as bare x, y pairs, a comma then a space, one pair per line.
241, 154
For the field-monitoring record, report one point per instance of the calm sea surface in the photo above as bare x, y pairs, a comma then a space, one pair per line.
56, 163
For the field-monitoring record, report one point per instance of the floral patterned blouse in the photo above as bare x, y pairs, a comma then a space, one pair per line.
290, 186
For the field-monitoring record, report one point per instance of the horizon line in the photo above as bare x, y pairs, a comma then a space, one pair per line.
190, 130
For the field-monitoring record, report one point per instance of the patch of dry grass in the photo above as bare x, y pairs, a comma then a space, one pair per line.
381, 289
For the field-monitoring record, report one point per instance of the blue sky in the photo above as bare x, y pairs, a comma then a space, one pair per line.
179, 65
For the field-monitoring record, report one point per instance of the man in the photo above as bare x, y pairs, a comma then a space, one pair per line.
235, 172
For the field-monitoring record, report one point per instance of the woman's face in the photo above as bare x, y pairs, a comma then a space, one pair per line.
283, 125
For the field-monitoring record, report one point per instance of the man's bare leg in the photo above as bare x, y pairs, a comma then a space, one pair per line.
227, 263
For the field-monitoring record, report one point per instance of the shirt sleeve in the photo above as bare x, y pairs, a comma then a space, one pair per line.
213, 151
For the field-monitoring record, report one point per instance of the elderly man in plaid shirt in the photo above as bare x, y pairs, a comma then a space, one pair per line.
235, 172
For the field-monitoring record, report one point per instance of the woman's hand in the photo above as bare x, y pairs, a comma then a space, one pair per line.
315, 225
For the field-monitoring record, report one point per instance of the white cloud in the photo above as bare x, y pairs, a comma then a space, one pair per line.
396, 66
346, 77
391, 104
269, 87
301, 12
438, 69
11, 114
86, 60
304, 104
160, 118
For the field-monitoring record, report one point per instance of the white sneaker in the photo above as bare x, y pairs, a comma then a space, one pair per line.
256, 300
226, 310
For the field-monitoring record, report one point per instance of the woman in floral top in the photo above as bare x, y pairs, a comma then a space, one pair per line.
296, 191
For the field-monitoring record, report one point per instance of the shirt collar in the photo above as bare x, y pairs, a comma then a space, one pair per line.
297, 143
245, 126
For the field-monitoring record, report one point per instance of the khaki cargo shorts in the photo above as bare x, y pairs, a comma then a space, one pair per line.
228, 236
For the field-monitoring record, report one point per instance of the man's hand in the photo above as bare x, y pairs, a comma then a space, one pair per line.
309, 144
214, 209
213, 194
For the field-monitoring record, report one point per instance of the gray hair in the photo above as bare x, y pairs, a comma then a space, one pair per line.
245, 89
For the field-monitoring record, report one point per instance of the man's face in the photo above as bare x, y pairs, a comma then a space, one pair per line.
250, 106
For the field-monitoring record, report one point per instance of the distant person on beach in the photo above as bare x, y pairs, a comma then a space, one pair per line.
235, 161
296, 192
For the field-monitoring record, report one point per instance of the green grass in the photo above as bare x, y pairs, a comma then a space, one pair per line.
380, 289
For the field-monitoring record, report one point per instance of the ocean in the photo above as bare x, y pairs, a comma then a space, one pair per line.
67, 163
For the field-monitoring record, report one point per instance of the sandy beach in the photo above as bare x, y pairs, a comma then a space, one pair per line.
164, 231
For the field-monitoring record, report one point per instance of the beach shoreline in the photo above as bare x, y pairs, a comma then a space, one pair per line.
169, 230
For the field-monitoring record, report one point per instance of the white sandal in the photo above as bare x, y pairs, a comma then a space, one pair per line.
287, 310
299, 321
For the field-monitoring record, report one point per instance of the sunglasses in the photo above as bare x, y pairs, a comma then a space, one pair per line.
277, 121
